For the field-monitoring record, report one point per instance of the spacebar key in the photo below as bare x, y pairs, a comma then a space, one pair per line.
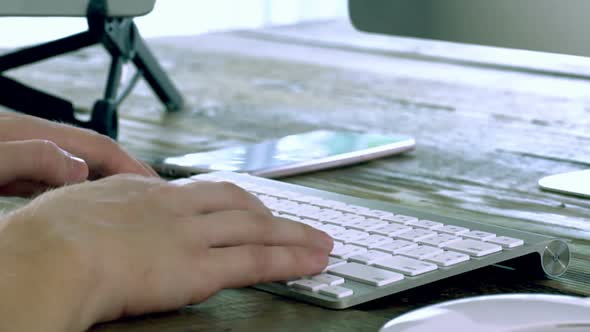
366, 274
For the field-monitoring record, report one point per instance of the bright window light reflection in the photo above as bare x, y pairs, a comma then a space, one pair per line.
182, 17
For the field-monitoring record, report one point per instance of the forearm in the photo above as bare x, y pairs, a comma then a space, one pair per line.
38, 290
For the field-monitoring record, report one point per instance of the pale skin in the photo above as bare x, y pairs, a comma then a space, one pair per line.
128, 244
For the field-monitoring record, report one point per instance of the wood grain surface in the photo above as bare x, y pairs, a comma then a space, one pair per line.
488, 124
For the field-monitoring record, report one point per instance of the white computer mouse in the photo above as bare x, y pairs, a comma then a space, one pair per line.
499, 313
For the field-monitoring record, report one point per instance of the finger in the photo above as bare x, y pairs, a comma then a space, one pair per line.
41, 161
233, 228
103, 156
149, 169
207, 197
23, 188
106, 157
248, 265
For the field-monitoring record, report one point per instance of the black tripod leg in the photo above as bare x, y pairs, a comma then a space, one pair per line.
155, 75
47, 50
25, 99
105, 119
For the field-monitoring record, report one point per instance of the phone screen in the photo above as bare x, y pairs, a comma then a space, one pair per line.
293, 149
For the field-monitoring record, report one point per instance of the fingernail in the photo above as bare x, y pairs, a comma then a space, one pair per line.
320, 260
78, 169
326, 241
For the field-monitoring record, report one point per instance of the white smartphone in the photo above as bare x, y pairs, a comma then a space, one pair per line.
572, 183
289, 155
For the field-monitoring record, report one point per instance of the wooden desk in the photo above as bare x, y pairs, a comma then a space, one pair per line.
486, 133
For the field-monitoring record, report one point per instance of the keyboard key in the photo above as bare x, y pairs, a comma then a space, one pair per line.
448, 258
428, 224
266, 190
273, 206
421, 252
474, 247
391, 229
351, 208
328, 279
307, 212
359, 209
366, 274
370, 257
303, 220
350, 235
347, 250
479, 235
274, 191
333, 261
372, 241
330, 229
377, 214
402, 219
506, 242
396, 245
330, 204
290, 281
344, 219
440, 240
291, 195
309, 208
308, 284
454, 230
266, 198
308, 222
336, 291
416, 234
349, 219
304, 198
270, 201
326, 215
255, 189
405, 265
283, 205
368, 224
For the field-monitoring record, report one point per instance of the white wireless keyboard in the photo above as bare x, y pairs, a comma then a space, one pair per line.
381, 249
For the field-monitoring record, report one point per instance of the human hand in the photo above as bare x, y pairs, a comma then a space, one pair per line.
32, 166
129, 245
45, 160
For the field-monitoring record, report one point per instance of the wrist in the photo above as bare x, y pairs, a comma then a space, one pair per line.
45, 284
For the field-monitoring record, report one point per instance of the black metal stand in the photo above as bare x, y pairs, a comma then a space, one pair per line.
121, 39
